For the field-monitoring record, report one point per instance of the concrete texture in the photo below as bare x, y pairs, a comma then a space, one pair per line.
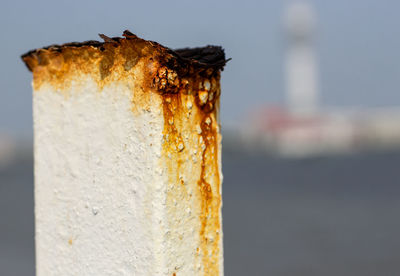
108, 200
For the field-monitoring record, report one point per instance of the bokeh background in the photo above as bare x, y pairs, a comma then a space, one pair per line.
330, 212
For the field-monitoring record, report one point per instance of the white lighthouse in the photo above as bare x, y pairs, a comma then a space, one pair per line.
301, 68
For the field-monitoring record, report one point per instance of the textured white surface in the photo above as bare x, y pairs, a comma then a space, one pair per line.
95, 212
104, 204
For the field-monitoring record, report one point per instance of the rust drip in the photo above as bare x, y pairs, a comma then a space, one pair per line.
211, 200
190, 104
173, 142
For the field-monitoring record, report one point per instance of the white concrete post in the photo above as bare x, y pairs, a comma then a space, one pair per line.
127, 158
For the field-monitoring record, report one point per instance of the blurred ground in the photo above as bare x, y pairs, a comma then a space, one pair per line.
16, 219
322, 216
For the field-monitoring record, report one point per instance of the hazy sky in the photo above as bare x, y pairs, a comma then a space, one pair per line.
358, 46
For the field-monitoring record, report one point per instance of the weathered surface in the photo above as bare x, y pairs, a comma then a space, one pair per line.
127, 158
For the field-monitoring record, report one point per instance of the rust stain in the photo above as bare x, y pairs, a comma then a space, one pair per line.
186, 83
66, 66
70, 241
113, 60
191, 105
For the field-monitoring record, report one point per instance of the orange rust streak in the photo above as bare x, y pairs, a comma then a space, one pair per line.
209, 197
210, 204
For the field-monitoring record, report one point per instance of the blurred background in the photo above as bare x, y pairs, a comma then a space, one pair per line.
310, 116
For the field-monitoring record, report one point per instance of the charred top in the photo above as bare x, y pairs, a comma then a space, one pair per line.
203, 57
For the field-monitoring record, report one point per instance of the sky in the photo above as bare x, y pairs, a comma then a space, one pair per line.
357, 43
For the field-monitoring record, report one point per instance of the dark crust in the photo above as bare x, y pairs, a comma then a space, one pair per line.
205, 57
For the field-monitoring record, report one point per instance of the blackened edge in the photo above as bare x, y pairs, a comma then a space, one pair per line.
209, 56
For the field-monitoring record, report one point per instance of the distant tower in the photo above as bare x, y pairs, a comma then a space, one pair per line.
301, 68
